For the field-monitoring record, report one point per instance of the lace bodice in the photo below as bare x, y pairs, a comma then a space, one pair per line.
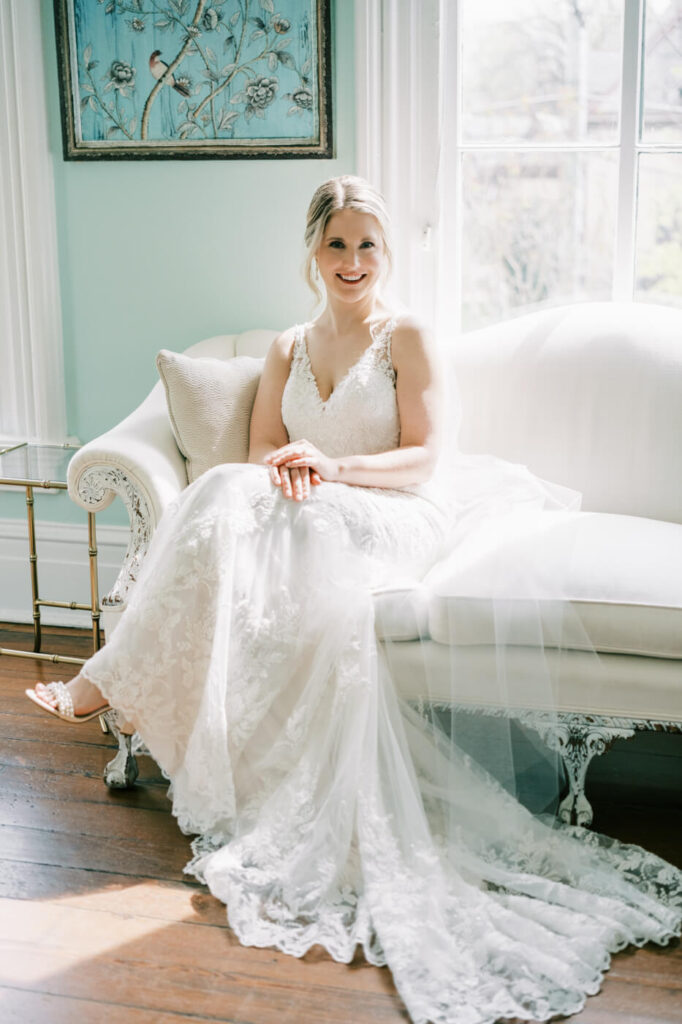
360, 417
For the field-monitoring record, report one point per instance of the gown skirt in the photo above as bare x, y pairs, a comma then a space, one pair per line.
327, 809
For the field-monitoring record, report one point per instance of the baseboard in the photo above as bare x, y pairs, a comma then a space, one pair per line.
63, 569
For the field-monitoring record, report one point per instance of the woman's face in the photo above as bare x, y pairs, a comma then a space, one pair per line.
351, 257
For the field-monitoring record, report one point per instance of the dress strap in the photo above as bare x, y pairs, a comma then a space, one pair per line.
383, 336
299, 349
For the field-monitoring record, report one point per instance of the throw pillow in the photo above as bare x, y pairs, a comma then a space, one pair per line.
209, 404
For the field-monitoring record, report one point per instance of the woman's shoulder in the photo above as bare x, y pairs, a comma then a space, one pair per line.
281, 348
410, 337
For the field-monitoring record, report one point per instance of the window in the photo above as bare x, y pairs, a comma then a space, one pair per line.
559, 173
569, 153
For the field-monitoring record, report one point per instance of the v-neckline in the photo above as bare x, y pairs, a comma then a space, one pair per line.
375, 335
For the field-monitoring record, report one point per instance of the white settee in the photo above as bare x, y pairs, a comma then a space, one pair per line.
589, 396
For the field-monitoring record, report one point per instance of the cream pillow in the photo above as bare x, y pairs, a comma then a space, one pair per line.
209, 404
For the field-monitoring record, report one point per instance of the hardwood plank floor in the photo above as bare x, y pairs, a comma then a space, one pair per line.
98, 922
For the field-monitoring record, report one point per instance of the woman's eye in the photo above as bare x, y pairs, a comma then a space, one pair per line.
367, 245
336, 243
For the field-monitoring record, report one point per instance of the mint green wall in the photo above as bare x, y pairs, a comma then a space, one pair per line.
159, 254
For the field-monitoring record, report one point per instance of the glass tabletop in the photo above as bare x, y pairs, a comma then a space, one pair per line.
38, 465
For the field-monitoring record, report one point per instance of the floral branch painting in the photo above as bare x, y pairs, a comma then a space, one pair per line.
194, 78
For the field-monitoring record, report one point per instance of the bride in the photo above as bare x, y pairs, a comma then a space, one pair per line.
327, 810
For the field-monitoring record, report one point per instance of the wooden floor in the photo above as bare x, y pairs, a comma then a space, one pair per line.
98, 924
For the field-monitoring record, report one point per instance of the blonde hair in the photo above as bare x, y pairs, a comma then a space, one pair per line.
344, 193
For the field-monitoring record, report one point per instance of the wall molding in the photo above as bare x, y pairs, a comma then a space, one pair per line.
63, 572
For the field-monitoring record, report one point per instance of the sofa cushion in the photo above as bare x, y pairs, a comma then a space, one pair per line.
612, 684
209, 404
621, 574
401, 613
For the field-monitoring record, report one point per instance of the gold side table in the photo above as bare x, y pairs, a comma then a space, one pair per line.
44, 466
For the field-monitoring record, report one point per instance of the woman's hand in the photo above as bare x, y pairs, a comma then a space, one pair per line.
297, 466
295, 483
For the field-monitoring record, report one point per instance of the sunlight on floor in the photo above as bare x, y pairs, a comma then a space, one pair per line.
38, 938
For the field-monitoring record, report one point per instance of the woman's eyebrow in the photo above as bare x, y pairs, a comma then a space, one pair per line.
340, 238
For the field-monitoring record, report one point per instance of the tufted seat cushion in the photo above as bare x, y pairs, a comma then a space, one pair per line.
622, 575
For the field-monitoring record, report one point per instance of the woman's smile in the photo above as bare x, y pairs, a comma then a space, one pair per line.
351, 278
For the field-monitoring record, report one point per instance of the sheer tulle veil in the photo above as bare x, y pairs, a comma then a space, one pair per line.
491, 641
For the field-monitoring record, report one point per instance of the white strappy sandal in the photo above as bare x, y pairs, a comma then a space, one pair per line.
64, 706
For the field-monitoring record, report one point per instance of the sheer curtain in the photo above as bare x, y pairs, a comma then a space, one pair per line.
398, 134
32, 401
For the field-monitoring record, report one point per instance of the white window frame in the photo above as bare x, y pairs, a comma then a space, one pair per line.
32, 397
408, 70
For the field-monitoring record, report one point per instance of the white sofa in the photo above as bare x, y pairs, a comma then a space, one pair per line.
589, 396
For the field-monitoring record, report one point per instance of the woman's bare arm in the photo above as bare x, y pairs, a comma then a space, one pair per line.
267, 431
418, 389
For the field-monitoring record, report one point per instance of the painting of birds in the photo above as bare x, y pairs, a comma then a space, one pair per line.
238, 85
159, 67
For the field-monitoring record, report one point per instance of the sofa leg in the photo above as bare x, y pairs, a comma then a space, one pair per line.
122, 771
577, 739
577, 750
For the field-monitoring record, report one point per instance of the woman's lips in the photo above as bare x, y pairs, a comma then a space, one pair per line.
351, 278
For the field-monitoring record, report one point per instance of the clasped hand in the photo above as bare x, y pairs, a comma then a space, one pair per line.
297, 467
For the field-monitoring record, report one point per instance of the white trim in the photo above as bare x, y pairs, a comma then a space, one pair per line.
63, 572
448, 255
633, 48
32, 398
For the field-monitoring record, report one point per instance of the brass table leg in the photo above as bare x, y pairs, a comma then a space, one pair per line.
33, 560
94, 584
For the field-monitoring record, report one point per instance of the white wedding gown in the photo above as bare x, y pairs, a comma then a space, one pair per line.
329, 811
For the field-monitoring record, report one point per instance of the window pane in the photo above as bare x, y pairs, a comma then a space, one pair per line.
662, 92
658, 266
541, 70
537, 228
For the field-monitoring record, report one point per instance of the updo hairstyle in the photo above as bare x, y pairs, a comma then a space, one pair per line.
344, 193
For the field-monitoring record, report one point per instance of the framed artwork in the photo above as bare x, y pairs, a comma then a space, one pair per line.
221, 79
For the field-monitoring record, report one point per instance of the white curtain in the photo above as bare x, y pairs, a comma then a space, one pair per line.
32, 402
398, 105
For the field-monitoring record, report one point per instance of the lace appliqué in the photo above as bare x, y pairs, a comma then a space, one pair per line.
361, 414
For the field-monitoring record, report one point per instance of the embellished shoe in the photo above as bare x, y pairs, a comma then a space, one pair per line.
64, 706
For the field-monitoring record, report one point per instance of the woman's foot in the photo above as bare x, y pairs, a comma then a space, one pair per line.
85, 696
75, 702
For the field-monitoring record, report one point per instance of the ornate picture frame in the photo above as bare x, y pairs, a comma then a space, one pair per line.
194, 79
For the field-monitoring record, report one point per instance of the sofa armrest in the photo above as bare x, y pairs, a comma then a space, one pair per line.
138, 461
